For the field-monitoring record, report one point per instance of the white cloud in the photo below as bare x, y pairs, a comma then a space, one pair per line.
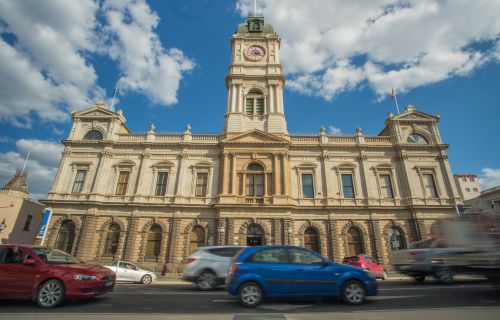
42, 164
332, 46
334, 130
147, 67
489, 178
46, 65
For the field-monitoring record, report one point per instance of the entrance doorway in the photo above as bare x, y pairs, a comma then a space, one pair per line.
254, 235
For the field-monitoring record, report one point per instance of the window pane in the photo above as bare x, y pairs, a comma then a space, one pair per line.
430, 185
249, 185
386, 186
201, 184
304, 257
347, 186
307, 186
79, 180
153, 242
260, 105
259, 185
270, 256
249, 106
161, 184
121, 187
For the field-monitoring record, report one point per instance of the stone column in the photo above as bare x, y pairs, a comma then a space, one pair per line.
271, 100
175, 242
130, 252
146, 155
276, 175
286, 174
181, 172
86, 250
224, 176
102, 173
56, 188
234, 156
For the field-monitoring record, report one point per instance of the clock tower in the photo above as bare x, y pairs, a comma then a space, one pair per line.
255, 80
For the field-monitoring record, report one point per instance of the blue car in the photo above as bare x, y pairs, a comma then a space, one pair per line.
289, 271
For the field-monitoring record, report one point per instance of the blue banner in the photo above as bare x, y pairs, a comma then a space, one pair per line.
45, 223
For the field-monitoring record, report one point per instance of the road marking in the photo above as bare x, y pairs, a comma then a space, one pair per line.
436, 287
394, 297
283, 307
171, 293
233, 300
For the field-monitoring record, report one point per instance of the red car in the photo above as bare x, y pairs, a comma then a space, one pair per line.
366, 262
49, 276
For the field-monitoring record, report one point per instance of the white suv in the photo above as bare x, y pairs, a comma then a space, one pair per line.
208, 266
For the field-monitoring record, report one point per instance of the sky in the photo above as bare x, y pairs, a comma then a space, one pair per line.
341, 60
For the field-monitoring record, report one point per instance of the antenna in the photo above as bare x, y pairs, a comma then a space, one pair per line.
26, 161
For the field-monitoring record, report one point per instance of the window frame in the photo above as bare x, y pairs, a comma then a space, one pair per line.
424, 171
158, 174
255, 95
81, 183
251, 173
304, 195
110, 237
386, 169
155, 242
118, 183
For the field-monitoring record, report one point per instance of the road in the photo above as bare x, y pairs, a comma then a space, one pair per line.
397, 299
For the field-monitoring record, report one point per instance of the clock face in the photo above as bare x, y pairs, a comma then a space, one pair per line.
255, 53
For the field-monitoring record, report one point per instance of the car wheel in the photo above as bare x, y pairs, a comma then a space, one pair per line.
444, 275
384, 275
206, 281
146, 279
250, 295
353, 293
419, 278
50, 294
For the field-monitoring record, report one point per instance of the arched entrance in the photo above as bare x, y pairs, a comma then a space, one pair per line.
311, 239
396, 239
255, 236
354, 242
66, 236
197, 239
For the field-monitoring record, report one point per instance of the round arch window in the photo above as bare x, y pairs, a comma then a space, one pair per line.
354, 242
255, 236
197, 239
396, 239
93, 135
417, 139
254, 180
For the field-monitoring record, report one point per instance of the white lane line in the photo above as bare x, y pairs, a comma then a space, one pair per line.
436, 288
170, 293
233, 300
394, 297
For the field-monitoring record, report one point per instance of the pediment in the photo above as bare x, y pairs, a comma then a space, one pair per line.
255, 137
95, 112
412, 114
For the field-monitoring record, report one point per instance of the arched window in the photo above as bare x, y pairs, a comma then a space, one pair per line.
396, 239
93, 135
66, 236
197, 239
354, 242
255, 180
255, 236
154, 242
417, 138
112, 238
311, 239
254, 103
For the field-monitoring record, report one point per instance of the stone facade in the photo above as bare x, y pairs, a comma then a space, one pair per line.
340, 195
467, 185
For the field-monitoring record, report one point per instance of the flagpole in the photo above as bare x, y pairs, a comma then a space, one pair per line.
114, 94
26, 161
395, 99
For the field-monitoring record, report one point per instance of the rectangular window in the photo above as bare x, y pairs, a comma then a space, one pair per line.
386, 186
249, 106
347, 186
27, 223
307, 186
161, 184
467, 189
464, 179
472, 179
121, 187
79, 180
430, 185
255, 185
475, 189
201, 184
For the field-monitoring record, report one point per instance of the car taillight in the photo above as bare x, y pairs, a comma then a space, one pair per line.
234, 267
189, 260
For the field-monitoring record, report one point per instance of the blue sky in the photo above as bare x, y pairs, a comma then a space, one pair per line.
341, 59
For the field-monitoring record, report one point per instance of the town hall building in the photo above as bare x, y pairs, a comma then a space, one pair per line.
153, 198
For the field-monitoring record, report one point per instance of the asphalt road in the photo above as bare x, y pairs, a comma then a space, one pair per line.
397, 299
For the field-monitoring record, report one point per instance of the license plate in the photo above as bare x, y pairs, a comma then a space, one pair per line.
108, 283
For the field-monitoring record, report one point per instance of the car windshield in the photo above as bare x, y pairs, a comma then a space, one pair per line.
54, 256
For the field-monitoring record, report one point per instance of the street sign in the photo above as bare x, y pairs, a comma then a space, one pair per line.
45, 224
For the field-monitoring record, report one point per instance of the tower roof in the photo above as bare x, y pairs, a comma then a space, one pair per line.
18, 184
255, 20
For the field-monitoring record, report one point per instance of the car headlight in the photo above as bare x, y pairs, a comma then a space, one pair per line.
84, 277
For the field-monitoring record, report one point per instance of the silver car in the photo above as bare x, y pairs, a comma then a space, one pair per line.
209, 266
126, 271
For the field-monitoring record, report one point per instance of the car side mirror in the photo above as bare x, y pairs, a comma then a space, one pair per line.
28, 262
